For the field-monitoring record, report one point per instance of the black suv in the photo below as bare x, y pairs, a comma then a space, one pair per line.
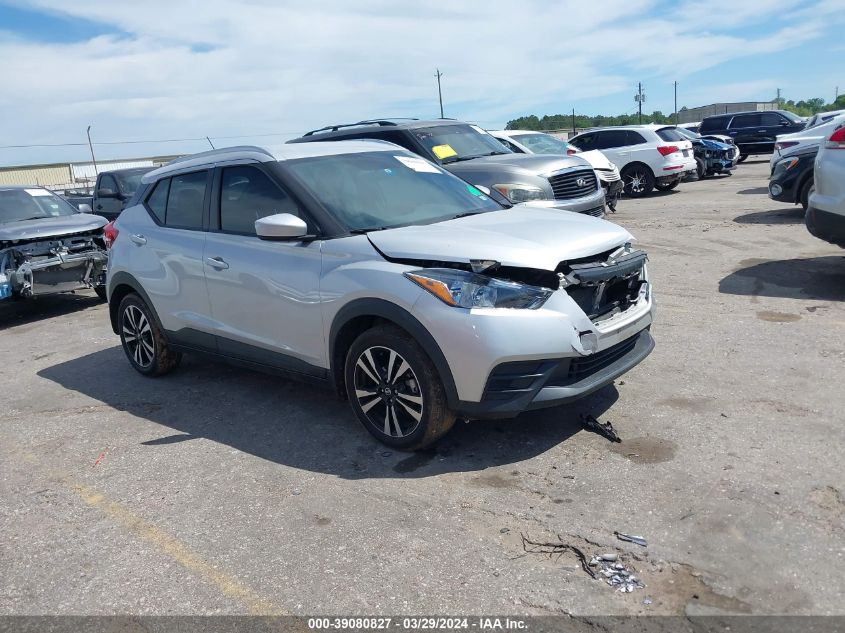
753, 132
559, 182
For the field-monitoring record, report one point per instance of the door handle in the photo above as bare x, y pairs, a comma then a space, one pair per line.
216, 263
140, 240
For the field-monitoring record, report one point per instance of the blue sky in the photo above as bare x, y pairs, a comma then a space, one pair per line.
159, 70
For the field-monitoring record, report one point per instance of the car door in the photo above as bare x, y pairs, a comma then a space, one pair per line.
746, 132
772, 124
109, 205
264, 294
167, 255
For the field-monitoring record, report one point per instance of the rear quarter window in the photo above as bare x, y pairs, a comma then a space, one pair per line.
157, 200
670, 134
714, 123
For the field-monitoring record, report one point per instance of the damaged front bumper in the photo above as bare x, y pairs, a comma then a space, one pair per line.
50, 266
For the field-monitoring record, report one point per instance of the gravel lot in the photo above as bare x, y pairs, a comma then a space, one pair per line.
218, 490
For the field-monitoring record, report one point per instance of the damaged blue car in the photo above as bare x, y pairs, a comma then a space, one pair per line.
711, 157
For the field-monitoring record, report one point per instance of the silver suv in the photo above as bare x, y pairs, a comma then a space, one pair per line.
825, 216
358, 264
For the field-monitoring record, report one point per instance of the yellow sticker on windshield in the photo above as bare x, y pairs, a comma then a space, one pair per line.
443, 151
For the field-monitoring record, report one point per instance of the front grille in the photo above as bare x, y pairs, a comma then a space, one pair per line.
581, 368
566, 185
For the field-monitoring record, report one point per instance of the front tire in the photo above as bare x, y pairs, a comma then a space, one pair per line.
742, 158
638, 179
806, 190
101, 292
143, 341
395, 390
700, 169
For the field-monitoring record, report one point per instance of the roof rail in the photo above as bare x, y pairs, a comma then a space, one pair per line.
220, 152
379, 122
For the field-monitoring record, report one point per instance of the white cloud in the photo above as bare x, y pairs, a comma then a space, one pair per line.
218, 67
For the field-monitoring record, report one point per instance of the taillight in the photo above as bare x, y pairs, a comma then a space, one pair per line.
785, 144
110, 234
837, 139
571, 151
665, 150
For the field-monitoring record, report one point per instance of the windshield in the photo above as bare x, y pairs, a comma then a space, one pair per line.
374, 190
129, 183
451, 143
688, 133
544, 143
17, 205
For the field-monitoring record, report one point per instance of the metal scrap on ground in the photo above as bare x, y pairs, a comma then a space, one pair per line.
606, 429
637, 540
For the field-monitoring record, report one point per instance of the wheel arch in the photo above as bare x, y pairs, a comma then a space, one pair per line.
802, 182
122, 284
362, 314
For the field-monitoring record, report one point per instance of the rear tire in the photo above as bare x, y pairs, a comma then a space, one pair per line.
143, 341
667, 187
395, 390
638, 179
806, 190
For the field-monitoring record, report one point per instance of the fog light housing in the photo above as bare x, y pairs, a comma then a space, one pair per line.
776, 189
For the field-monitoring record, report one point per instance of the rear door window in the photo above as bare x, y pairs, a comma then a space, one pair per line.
633, 138
745, 120
186, 200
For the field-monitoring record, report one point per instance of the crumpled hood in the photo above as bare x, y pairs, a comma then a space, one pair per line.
711, 144
44, 228
596, 159
524, 236
535, 164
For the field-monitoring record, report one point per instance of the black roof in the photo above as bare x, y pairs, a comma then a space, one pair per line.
748, 112
402, 124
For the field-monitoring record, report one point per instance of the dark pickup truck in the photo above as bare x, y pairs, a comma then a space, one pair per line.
114, 188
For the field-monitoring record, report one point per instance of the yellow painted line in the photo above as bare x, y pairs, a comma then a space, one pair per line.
164, 543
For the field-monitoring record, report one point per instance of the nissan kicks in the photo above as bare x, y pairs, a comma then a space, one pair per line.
412, 293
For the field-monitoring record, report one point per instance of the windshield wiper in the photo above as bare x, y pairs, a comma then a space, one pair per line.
37, 217
465, 214
368, 229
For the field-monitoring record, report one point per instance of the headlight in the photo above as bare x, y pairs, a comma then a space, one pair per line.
521, 193
464, 289
786, 164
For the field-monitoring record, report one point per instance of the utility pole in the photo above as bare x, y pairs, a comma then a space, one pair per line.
836, 93
676, 103
573, 121
91, 147
639, 98
778, 99
210, 143
439, 92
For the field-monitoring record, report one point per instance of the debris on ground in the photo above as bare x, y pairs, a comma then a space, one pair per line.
617, 575
591, 424
556, 549
637, 540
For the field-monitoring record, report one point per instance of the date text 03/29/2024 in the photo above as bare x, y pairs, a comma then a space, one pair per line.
418, 623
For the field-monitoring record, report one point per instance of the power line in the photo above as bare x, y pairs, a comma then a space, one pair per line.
140, 142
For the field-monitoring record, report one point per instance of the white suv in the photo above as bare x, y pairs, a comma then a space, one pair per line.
365, 267
648, 156
811, 136
825, 216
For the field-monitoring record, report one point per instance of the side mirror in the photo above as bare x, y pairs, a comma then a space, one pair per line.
106, 193
85, 208
785, 123
281, 226
483, 189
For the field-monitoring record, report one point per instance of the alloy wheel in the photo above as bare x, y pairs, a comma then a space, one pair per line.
636, 181
138, 336
388, 391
